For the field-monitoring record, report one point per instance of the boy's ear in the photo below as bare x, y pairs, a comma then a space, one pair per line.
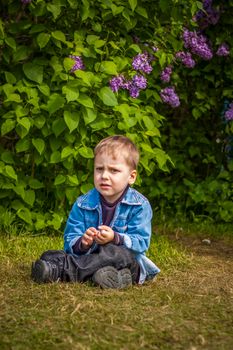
133, 176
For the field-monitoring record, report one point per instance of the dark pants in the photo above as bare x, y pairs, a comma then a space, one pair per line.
81, 268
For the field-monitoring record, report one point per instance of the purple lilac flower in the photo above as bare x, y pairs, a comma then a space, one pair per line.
197, 44
186, 59
116, 83
139, 81
26, 1
165, 76
141, 63
78, 63
169, 96
223, 50
134, 91
229, 113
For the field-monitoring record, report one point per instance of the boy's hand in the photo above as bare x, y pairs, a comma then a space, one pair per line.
88, 237
105, 235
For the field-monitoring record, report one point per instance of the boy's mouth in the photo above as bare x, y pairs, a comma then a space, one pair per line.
104, 186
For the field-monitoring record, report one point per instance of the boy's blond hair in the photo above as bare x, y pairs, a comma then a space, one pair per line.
118, 144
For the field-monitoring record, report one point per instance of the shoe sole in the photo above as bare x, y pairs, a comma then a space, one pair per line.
110, 278
40, 272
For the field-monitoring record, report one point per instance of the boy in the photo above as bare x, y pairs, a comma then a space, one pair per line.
108, 229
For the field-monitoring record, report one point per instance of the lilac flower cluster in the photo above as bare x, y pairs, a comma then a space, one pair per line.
138, 82
186, 59
169, 96
78, 63
223, 50
207, 16
229, 113
165, 75
197, 44
141, 62
26, 1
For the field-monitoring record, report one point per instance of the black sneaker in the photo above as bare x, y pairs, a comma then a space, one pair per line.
45, 271
109, 277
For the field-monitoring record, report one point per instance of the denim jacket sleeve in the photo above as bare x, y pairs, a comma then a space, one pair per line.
75, 227
138, 235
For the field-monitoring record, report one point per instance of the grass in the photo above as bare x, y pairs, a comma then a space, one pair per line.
189, 306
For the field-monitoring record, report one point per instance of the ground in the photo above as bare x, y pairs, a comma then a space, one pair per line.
189, 306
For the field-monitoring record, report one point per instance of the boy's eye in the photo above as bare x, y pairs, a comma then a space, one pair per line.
114, 171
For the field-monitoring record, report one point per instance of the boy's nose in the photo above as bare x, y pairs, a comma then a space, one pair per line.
104, 174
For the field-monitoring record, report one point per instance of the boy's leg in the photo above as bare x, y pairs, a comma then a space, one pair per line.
82, 268
54, 265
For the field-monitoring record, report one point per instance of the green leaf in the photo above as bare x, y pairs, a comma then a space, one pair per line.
86, 152
55, 157
7, 157
11, 172
85, 100
73, 180
58, 126
87, 77
26, 124
25, 215
71, 119
55, 9
39, 144
43, 39
22, 145
10, 78
141, 11
107, 96
35, 184
44, 88
108, 67
22, 53
33, 72
60, 179
89, 115
29, 197
59, 36
66, 152
10, 42
55, 102
39, 122
133, 4
7, 126
71, 93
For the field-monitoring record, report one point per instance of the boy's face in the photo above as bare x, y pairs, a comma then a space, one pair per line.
112, 175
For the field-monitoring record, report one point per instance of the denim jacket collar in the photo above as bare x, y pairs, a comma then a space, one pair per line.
91, 200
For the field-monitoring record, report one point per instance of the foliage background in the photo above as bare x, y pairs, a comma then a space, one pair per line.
51, 118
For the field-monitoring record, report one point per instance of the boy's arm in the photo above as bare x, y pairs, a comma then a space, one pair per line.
138, 235
75, 227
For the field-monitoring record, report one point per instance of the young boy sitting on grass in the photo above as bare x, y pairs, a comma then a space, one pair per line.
108, 230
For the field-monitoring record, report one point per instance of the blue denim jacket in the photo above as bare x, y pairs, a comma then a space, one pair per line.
132, 220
